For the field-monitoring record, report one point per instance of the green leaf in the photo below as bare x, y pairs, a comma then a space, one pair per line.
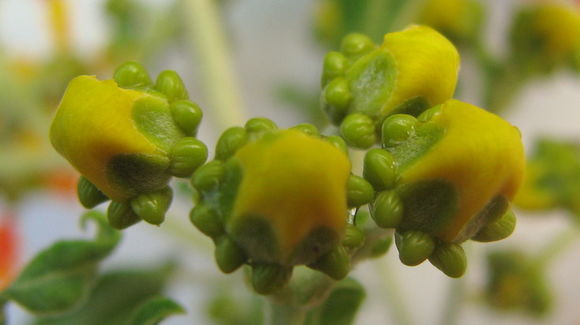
116, 297
155, 310
341, 306
60, 277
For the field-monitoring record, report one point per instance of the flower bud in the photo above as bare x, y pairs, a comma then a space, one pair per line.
228, 255
414, 247
229, 142
187, 115
152, 206
450, 259
358, 130
186, 156
88, 194
380, 169
359, 191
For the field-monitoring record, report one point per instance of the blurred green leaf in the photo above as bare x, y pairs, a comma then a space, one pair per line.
341, 306
155, 310
59, 278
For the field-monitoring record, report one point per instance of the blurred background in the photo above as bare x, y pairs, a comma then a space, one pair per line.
520, 59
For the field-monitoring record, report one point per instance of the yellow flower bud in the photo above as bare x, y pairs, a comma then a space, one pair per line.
456, 19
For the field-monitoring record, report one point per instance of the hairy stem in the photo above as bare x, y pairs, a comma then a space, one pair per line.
208, 40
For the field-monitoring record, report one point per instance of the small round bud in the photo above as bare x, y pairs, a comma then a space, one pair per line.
186, 156
381, 247
387, 209
337, 97
121, 216
229, 142
208, 176
260, 124
335, 264
397, 128
228, 255
359, 191
269, 278
358, 130
355, 45
206, 220
353, 237
380, 169
89, 195
414, 247
338, 142
449, 258
152, 206
187, 116
170, 84
335, 64
497, 230
132, 75
307, 128
429, 114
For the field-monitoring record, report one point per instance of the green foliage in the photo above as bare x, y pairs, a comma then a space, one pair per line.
341, 306
60, 277
155, 310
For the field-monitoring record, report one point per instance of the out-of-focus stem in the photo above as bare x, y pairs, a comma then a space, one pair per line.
454, 302
396, 302
58, 18
557, 246
205, 30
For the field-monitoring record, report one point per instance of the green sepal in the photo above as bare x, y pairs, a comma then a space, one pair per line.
397, 128
335, 264
121, 215
307, 128
187, 115
228, 255
229, 142
387, 209
88, 194
206, 220
334, 65
269, 278
450, 259
354, 237
414, 247
152, 206
380, 169
359, 191
497, 230
132, 75
355, 45
208, 176
186, 156
156, 309
338, 142
358, 130
170, 84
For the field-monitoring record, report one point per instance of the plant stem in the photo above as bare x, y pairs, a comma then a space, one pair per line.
557, 246
395, 298
208, 40
454, 302
284, 314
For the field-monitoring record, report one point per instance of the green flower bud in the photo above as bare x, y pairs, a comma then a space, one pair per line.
449, 258
187, 116
269, 278
358, 130
414, 247
152, 206
359, 191
170, 84
307, 128
381, 247
355, 45
206, 220
497, 230
186, 156
132, 75
229, 142
397, 128
387, 209
380, 169
121, 215
335, 264
353, 237
228, 255
429, 114
260, 125
208, 176
335, 64
336, 98
89, 195
338, 142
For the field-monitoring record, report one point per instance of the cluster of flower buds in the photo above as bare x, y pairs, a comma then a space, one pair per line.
128, 137
446, 170
274, 199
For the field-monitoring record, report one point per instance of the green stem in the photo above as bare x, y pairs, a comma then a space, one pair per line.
558, 245
284, 314
395, 299
208, 40
454, 302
